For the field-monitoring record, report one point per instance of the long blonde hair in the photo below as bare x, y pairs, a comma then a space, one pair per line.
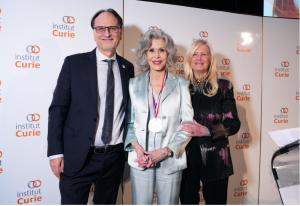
211, 75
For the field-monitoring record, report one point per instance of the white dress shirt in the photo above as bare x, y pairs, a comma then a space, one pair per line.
119, 110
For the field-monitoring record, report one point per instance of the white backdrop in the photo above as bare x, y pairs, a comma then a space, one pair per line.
250, 50
280, 102
241, 64
26, 36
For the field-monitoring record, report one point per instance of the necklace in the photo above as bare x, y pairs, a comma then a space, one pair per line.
198, 84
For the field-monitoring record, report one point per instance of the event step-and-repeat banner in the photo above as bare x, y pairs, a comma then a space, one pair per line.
280, 99
260, 56
237, 42
35, 37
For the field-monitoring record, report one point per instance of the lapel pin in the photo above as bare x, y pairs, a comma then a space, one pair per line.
123, 66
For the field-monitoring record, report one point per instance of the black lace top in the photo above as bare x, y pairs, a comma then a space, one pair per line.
219, 114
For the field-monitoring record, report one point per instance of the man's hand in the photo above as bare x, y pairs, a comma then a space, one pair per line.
57, 166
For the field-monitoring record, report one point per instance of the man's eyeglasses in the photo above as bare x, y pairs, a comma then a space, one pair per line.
111, 29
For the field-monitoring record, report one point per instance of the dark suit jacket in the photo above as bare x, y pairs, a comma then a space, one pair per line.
73, 113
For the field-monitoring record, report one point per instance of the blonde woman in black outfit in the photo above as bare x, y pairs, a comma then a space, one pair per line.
216, 118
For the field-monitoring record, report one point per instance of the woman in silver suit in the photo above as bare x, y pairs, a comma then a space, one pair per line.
160, 102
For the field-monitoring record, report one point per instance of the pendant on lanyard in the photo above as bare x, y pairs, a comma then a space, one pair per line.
155, 123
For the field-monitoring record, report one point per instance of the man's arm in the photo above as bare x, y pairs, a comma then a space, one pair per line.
57, 115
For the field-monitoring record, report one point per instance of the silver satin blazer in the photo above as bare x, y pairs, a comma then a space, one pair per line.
175, 108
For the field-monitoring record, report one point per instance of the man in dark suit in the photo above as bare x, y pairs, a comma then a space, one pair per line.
86, 117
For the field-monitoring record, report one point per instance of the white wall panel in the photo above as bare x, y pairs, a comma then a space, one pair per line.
242, 64
31, 58
265, 74
280, 100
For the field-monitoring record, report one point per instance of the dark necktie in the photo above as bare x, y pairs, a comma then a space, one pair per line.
109, 105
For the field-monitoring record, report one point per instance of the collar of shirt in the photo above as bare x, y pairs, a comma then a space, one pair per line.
101, 57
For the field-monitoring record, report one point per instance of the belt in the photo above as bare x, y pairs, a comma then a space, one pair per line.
106, 148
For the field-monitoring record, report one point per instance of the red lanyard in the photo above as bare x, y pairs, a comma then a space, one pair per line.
156, 106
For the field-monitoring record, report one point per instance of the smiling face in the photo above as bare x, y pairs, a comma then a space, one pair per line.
107, 41
201, 60
157, 55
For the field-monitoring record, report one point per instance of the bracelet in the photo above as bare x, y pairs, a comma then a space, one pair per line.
168, 152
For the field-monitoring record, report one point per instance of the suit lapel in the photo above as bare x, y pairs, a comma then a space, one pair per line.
169, 86
141, 91
144, 89
124, 79
91, 71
